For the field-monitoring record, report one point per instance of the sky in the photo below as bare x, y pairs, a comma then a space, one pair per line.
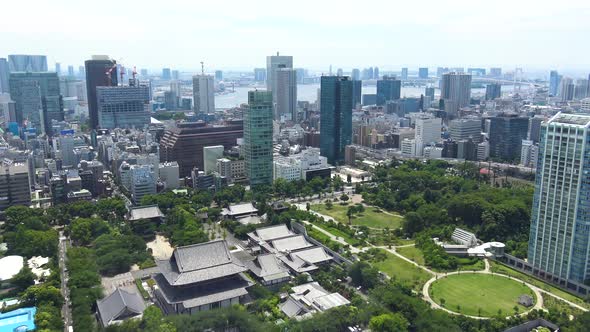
238, 35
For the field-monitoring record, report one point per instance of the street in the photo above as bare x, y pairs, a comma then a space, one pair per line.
65, 292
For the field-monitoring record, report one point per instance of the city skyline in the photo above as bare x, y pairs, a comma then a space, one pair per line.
315, 34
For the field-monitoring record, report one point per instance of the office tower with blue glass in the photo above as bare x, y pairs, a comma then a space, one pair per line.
559, 241
553, 82
26, 62
258, 149
4, 75
404, 73
493, 91
38, 99
388, 88
423, 73
335, 117
357, 89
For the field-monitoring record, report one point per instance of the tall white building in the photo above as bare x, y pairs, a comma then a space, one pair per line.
273, 63
298, 166
585, 105
284, 94
483, 150
170, 174
428, 130
142, 182
210, 156
528, 153
465, 128
204, 93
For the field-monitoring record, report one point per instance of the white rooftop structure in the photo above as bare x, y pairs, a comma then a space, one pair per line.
464, 237
10, 266
309, 298
239, 210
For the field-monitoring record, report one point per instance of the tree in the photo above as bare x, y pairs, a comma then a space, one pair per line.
349, 178
329, 204
390, 322
350, 213
307, 206
344, 197
42, 294
24, 278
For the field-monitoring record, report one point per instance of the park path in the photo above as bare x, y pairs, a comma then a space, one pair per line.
487, 270
426, 294
333, 237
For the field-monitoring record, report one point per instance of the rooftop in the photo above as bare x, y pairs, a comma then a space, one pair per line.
571, 119
145, 212
271, 233
117, 304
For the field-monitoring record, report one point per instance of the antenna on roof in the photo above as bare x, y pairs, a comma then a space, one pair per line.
202, 68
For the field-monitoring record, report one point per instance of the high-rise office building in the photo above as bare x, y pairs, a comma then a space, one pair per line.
357, 88
175, 94
441, 70
566, 89
123, 106
273, 63
166, 74
335, 117
260, 74
15, 186
506, 135
581, 89
356, 74
143, 182
58, 68
258, 127
429, 92
559, 241
4, 75
376, 73
71, 71
204, 93
553, 82
389, 88
38, 99
404, 73
465, 128
96, 70
219, 75
423, 73
175, 75
301, 75
24, 62
81, 71
455, 90
428, 130
493, 91
285, 94
339, 72
535, 128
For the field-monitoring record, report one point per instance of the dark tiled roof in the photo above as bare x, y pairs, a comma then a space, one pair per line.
199, 262
112, 306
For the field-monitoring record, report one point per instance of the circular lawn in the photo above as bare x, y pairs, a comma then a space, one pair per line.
481, 295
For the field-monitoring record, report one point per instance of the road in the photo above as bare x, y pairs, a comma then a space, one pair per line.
66, 311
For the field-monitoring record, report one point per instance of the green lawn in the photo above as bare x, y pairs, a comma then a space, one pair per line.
336, 232
479, 294
372, 217
412, 253
402, 271
501, 268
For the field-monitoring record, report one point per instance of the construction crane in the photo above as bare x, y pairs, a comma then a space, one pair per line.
109, 73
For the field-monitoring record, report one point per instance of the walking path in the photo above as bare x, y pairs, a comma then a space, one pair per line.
436, 275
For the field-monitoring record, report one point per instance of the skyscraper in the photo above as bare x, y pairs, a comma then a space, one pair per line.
258, 129
219, 75
553, 82
123, 106
203, 93
566, 89
58, 68
274, 62
506, 135
96, 70
455, 90
559, 241
285, 94
4, 75
493, 91
260, 74
335, 117
376, 73
465, 128
357, 88
404, 73
71, 71
24, 62
423, 73
356, 74
166, 73
389, 88
38, 99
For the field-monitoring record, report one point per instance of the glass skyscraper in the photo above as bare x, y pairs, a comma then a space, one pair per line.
96, 76
335, 117
26, 62
38, 99
258, 128
559, 242
123, 106
389, 88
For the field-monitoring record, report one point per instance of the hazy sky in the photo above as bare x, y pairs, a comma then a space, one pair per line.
239, 34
